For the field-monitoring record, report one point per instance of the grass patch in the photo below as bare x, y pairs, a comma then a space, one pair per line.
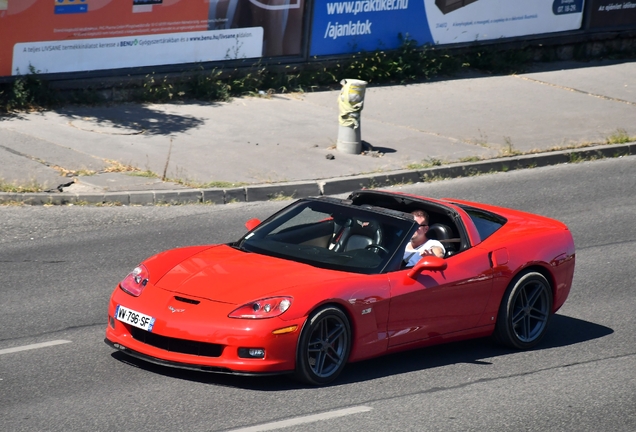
619, 137
222, 184
206, 185
146, 173
32, 186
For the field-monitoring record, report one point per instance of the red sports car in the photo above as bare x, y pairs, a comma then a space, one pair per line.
323, 282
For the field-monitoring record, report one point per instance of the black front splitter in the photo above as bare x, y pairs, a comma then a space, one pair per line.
187, 366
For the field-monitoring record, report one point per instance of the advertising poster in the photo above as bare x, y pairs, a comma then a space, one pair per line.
347, 26
54, 36
612, 13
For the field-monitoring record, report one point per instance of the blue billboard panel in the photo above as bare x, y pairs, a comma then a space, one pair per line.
348, 26
345, 26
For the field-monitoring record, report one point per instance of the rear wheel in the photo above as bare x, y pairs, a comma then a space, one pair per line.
323, 347
525, 311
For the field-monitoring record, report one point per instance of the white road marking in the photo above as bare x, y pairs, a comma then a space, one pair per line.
306, 419
33, 346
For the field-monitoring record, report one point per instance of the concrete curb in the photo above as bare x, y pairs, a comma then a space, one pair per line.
293, 190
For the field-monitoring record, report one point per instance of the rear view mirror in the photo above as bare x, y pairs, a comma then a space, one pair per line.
252, 223
429, 262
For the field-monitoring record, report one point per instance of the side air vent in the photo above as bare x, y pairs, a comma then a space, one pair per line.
187, 300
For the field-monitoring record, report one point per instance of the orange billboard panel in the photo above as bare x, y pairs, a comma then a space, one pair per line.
53, 36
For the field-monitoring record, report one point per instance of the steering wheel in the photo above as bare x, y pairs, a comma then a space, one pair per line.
377, 247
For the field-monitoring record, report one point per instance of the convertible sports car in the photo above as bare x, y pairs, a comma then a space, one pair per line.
322, 283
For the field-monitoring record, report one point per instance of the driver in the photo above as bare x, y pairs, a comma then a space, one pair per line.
421, 245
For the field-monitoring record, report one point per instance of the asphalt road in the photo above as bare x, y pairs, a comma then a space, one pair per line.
58, 266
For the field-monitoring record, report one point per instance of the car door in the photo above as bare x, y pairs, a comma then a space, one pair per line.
441, 302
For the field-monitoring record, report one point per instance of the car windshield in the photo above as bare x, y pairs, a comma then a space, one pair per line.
333, 235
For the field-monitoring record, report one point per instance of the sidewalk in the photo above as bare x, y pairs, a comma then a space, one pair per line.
282, 146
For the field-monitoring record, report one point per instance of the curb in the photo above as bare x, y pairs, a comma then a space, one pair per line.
334, 186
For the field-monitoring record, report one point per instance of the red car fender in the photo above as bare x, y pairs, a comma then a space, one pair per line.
365, 301
555, 261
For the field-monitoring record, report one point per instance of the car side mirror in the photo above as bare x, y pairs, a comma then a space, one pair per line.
428, 262
252, 223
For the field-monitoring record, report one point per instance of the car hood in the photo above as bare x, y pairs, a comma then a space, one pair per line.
228, 275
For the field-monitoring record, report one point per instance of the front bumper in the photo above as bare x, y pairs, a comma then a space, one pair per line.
208, 340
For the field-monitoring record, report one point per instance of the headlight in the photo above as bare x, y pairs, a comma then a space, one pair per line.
264, 308
136, 281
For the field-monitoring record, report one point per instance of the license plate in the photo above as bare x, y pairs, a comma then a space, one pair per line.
134, 318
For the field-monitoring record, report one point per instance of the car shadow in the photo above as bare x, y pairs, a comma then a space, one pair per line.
563, 331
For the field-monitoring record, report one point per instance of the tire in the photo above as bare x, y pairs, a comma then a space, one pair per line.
525, 311
323, 347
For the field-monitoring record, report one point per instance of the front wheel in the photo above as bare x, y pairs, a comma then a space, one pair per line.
524, 312
323, 347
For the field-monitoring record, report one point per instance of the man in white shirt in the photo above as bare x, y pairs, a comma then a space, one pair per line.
421, 245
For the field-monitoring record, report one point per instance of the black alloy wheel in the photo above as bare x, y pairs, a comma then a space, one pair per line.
323, 347
525, 311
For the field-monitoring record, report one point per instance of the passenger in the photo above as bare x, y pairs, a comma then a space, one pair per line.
421, 245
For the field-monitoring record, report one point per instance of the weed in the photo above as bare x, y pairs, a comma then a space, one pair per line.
426, 163
482, 141
116, 166
388, 182
155, 89
84, 172
508, 149
71, 173
280, 197
109, 204
208, 86
427, 178
470, 159
234, 52
400, 183
499, 61
12, 203
576, 157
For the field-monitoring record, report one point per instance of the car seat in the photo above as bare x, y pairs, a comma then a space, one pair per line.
444, 235
358, 234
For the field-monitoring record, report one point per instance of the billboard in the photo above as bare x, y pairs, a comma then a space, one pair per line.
56, 36
612, 13
347, 26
